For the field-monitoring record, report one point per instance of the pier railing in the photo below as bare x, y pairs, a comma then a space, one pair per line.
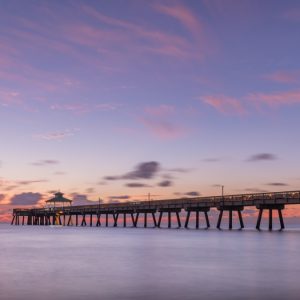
271, 201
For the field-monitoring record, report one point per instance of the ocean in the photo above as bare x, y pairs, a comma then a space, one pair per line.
60, 263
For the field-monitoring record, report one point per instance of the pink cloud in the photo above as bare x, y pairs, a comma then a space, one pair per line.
163, 129
58, 135
292, 14
77, 108
284, 76
157, 41
277, 98
8, 98
225, 105
160, 110
181, 13
81, 108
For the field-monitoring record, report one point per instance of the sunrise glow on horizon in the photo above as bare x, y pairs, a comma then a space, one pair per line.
171, 98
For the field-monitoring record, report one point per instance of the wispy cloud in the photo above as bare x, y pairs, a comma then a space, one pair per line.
137, 185
292, 14
144, 170
45, 162
10, 98
192, 194
276, 98
165, 183
121, 197
262, 157
57, 135
283, 76
212, 159
59, 173
163, 129
182, 14
83, 108
224, 104
277, 184
27, 182
160, 110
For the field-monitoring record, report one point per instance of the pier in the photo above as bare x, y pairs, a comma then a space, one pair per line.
100, 214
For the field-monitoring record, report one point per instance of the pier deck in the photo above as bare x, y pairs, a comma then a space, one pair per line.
230, 203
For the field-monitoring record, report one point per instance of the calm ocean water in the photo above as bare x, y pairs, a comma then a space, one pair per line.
126, 263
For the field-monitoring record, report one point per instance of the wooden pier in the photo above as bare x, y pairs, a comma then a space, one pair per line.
91, 214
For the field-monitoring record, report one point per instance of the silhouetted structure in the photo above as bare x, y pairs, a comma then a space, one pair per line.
59, 200
230, 203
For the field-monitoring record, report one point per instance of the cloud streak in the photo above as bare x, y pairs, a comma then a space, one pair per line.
225, 105
45, 162
144, 170
262, 157
57, 135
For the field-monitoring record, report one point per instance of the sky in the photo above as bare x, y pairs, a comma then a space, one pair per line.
118, 99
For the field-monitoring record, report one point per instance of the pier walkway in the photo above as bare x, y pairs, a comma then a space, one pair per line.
155, 209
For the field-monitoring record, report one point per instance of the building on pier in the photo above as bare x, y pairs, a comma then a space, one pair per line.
58, 201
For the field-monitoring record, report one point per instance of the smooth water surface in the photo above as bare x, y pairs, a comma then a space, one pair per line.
127, 263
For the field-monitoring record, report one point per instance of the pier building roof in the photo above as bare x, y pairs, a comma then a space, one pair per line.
59, 198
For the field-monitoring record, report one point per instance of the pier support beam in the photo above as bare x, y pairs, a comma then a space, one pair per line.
136, 219
197, 210
98, 220
124, 220
230, 209
270, 208
70, 221
169, 211
83, 222
145, 212
116, 216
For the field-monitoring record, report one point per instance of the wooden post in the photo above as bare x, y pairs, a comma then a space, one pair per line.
241, 219
207, 220
76, 220
106, 220
132, 219
280, 219
169, 219
98, 220
12, 221
187, 219
91, 220
197, 219
116, 219
23, 220
145, 220
136, 219
230, 219
124, 220
220, 219
178, 219
159, 219
70, 220
64, 220
270, 219
259, 219
154, 220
